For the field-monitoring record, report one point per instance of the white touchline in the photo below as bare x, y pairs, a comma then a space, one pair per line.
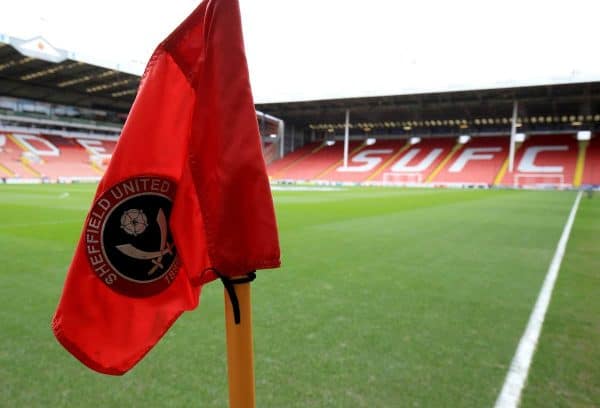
519, 367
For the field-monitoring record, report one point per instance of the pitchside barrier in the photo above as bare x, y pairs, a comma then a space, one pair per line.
543, 182
377, 184
87, 179
521, 181
38, 180
19, 180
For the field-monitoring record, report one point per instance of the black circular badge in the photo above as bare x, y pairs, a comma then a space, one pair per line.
128, 241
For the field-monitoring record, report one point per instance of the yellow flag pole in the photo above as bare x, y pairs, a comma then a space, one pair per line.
240, 353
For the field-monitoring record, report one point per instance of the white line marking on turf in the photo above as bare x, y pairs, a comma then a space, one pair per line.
305, 188
519, 367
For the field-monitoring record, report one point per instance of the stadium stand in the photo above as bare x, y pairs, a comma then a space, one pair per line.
544, 160
60, 118
277, 168
591, 171
74, 159
417, 163
53, 158
46, 142
540, 161
364, 161
477, 162
379, 163
312, 166
11, 163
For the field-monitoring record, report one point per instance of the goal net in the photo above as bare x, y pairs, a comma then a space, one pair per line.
272, 134
539, 181
393, 179
100, 161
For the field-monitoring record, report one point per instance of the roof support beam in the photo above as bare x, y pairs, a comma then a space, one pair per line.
513, 132
346, 137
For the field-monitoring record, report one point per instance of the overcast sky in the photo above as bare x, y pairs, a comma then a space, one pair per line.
316, 49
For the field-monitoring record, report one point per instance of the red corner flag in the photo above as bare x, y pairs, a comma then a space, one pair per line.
186, 193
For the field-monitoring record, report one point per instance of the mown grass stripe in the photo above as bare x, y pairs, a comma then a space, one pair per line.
519, 368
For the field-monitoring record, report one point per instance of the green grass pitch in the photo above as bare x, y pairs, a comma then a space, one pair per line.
386, 298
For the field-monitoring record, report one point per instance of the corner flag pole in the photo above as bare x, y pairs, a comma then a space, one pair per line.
240, 353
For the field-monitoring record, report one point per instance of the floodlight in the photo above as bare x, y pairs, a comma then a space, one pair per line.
370, 141
519, 137
584, 135
414, 140
330, 142
463, 139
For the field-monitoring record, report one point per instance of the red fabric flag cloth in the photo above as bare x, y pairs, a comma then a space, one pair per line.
186, 192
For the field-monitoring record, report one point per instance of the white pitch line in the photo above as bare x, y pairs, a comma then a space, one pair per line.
519, 367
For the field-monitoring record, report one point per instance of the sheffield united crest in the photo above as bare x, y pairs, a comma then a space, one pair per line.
127, 237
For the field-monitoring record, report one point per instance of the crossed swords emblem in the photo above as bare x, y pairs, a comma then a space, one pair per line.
155, 256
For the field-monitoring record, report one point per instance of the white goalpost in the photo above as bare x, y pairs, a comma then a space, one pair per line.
401, 179
539, 181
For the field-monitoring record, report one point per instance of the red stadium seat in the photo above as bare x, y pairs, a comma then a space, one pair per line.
53, 157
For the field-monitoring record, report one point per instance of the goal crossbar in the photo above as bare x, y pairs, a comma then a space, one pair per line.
397, 178
539, 180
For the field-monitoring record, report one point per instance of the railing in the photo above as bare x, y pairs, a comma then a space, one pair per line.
53, 120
